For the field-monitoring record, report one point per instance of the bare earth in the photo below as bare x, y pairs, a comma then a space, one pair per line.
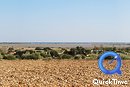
56, 73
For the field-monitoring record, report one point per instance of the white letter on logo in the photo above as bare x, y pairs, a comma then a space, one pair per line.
95, 81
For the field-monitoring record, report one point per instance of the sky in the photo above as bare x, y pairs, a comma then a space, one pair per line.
64, 20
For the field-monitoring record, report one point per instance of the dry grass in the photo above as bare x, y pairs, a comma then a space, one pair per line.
55, 73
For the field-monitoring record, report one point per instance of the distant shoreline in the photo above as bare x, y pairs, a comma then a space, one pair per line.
115, 43
64, 44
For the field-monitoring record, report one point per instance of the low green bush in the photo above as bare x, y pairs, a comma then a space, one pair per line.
94, 56
66, 56
9, 57
34, 56
83, 56
44, 55
54, 53
1, 56
39, 48
78, 57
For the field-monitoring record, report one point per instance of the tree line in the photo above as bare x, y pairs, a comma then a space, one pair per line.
59, 53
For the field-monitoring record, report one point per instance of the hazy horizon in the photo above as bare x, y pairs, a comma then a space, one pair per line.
53, 42
64, 21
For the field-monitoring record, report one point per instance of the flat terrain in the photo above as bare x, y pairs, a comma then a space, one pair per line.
56, 73
64, 45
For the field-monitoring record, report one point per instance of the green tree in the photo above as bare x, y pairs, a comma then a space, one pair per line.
73, 51
54, 53
19, 53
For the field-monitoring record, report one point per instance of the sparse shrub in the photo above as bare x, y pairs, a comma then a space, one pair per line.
17, 56
9, 57
94, 56
88, 51
44, 55
83, 56
108, 49
1, 56
81, 50
1, 51
19, 53
127, 49
39, 48
73, 51
125, 57
29, 51
66, 56
47, 58
78, 57
11, 49
66, 52
26, 56
34, 56
47, 49
114, 48
48, 55
76, 51
54, 53
107, 58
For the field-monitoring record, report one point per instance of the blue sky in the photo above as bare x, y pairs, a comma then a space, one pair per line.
65, 20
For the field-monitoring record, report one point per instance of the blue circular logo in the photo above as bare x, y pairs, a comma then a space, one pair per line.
116, 57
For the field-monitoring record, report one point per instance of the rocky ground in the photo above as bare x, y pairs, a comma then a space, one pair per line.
57, 73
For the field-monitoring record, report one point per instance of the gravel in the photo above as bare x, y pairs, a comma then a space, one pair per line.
56, 73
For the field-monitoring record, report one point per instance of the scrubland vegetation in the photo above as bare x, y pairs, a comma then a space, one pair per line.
61, 53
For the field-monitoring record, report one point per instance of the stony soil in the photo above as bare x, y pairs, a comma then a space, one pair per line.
56, 73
